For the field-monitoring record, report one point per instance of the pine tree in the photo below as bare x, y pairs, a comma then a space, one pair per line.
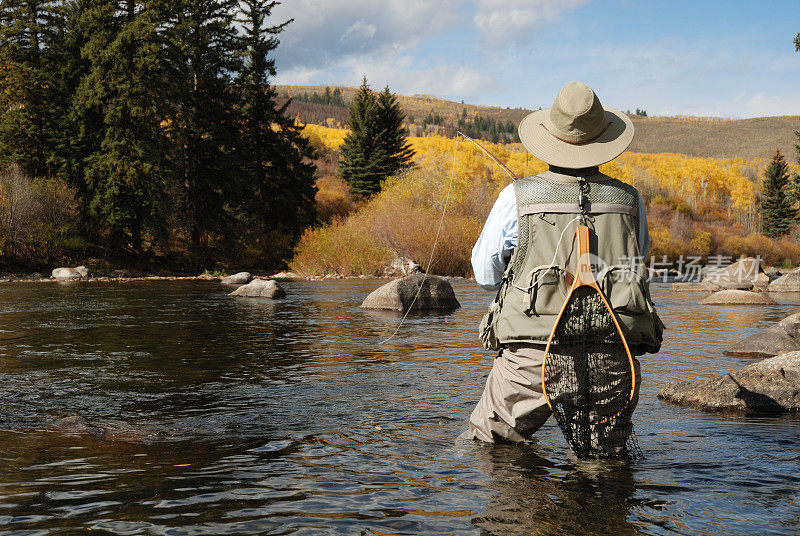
281, 179
775, 207
363, 160
201, 52
121, 90
29, 104
393, 135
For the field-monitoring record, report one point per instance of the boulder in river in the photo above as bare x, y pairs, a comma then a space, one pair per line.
768, 386
241, 278
434, 293
788, 282
782, 337
738, 297
260, 288
70, 274
741, 275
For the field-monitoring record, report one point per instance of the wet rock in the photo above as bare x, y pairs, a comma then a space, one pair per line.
35, 276
70, 274
788, 282
260, 288
772, 341
768, 386
434, 293
120, 274
401, 267
242, 278
738, 297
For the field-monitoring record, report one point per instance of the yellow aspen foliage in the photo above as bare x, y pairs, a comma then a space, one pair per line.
715, 197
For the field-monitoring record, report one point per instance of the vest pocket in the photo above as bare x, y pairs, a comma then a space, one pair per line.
486, 328
624, 289
547, 291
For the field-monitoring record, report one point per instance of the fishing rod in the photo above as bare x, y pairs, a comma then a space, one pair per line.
488, 153
441, 220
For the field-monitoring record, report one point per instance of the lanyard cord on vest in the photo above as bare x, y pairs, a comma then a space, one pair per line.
583, 198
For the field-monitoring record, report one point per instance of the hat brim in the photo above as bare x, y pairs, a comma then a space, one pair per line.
546, 147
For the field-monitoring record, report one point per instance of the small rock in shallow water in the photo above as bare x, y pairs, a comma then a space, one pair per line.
242, 278
260, 288
768, 386
738, 297
70, 274
398, 295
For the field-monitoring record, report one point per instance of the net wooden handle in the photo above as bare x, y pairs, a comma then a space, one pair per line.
584, 274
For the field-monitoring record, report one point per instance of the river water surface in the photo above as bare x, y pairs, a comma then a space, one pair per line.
259, 417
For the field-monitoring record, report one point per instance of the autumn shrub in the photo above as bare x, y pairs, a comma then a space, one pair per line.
333, 198
38, 219
403, 220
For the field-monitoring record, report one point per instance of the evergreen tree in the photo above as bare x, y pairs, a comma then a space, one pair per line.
393, 135
30, 107
201, 52
121, 90
281, 178
363, 160
775, 207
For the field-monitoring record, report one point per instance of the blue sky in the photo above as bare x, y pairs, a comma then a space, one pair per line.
710, 58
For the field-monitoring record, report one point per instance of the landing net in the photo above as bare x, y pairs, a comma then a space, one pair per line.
588, 380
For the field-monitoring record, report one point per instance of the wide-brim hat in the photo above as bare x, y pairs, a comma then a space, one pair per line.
577, 131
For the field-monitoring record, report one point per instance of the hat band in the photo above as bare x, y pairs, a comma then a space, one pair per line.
589, 140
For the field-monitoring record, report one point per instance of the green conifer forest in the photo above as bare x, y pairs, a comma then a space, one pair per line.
152, 130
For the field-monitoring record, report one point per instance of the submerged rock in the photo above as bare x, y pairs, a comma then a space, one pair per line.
241, 278
738, 297
78, 425
768, 386
70, 274
260, 288
434, 293
788, 282
782, 337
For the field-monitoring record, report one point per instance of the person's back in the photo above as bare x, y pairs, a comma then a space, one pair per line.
527, 252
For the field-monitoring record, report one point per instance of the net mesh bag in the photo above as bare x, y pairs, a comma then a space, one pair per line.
588, 380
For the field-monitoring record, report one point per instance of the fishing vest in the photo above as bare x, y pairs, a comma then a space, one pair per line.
539, 274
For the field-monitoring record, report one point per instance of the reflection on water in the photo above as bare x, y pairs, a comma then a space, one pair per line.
246, 416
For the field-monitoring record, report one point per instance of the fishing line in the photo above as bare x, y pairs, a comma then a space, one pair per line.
433, 249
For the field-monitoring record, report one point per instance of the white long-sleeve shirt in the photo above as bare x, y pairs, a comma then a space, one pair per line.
498, 239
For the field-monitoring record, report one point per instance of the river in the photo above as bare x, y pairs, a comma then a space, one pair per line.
235, 416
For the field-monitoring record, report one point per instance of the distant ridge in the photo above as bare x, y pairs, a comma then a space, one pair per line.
694, 136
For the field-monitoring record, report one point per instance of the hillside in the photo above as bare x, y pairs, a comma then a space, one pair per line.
707, 137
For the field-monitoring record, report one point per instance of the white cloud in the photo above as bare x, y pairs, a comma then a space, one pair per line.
514, 20
326, 33
359, 30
